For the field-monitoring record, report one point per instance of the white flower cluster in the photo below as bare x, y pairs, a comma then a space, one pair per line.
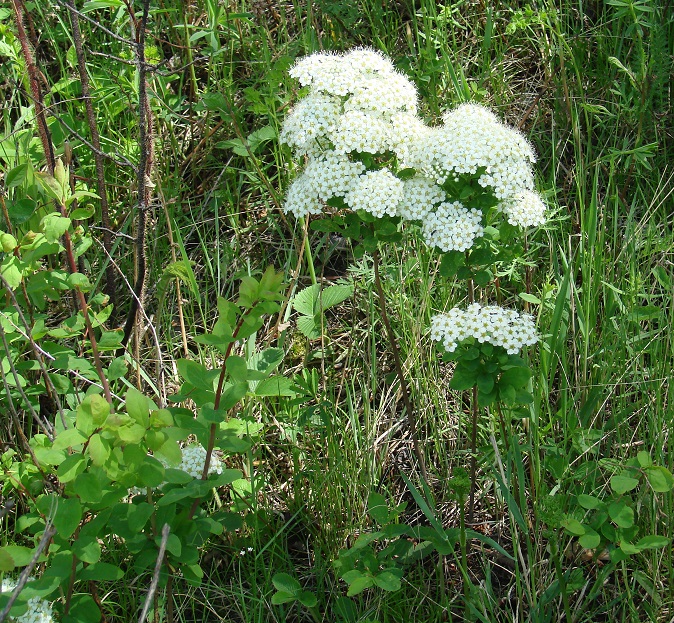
359, 104
451, 227
378, 192
472, 138
493, 324
39, 610
525, 209
356, 105
194, 459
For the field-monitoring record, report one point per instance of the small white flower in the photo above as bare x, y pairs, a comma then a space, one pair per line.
302, 197
420, 196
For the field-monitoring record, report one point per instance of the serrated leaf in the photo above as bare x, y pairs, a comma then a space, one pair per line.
307, 326
305, 302
334, 295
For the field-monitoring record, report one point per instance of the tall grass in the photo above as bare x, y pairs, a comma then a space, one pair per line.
590, 84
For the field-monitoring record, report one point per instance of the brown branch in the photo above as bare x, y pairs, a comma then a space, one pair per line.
34, 81
144, 172
155, 576
110, 288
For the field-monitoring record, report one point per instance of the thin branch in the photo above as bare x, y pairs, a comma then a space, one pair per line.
155, 576
98, 25
144, 172
49, 532
110, 286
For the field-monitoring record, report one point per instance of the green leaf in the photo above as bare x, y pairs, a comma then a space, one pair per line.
10, 269
387, 580
515, 377
463, 379
621, 514
573, 526
307, 326
70, 468
590, 539
80, 213
623, 484
17, 175
101, 572
530, 298
378, 508
54, 226
450, 263
359, 584
275, 386
590, 502
644, 459
305, 301
88, 487
286, 583
20, 555
68, 516
281, 597
307, 599
232, 395
652, 542
237, 368
87, 549
660, 478
196, 374
99, 450
83, 609
68, 438
485, 383
6, 561
138, 407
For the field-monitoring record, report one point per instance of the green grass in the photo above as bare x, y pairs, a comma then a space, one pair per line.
590, 85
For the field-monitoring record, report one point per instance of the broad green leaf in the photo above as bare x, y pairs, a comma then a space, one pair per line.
10, 269
88, 487
660, 478
307, 326
275, 386
573, 526
463, 379
590, 502
590, 539
281, 597
196, 374
138, 407
83, 609
20, 555
82, 213
378, 508
87, 549
286, 583
307, 599
73, 465
334, 295
652, 542
621, 514
237, 368
99, 450
16, 176
644, 459
387, 580
359, 585
54, 226
305, 301
6, 561
68, 516
623, 484
68, 438
101, 572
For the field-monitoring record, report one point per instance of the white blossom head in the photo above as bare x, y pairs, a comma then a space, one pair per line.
524, 209
420, 196
302, 197
473, 140
497, 325
359, 131
333, 174
306, 128
326, 72
377, 192
452, 227
194, 459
